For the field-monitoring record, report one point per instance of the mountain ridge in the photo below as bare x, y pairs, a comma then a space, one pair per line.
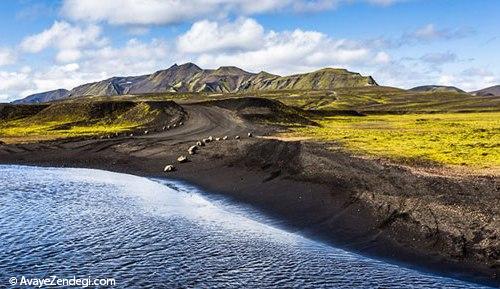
189, 77
488, 91
436, 88
46, 96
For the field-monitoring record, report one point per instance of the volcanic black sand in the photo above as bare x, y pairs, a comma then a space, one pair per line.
435, 220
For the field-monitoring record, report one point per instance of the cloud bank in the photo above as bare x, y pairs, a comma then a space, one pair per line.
163, 12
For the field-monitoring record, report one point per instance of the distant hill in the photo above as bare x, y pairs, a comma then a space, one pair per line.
436, 88
189, 77
489, 91
45, 96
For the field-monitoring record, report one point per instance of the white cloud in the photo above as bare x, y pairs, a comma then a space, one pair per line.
439, 58
430, 32
68, 39
385, 2
95, 63
322, 5
138, 30
411, 72
70, 67
447, 80
278, 52
159, 12
472, 78
145, 12
426, 32
134, 58
399, 73
382, 57
57, 76
12, 80
68, 55
317, 5
204, 36
4, 97
423, 35
7, 56
12, 83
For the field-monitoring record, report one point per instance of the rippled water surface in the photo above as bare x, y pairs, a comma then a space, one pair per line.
154, 233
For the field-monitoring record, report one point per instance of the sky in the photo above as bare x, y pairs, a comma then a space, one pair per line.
51, 44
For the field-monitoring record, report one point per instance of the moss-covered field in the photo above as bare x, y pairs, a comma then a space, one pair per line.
66, 120
20, 131
471, 139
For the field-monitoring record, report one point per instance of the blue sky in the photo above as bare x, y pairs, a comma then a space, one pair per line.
46, 45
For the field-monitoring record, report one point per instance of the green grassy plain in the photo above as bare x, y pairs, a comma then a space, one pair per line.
470, 139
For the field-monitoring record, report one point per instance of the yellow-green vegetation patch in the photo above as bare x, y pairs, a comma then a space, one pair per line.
51, 131
471, 139
82, 119
20, 131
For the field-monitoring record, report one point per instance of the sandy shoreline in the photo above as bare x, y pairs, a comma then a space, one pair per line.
435, 223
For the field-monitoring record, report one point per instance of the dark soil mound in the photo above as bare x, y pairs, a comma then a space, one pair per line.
264, 110
12, 112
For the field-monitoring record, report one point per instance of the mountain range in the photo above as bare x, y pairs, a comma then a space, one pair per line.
189, 77
436, 88
45, 96
489, 91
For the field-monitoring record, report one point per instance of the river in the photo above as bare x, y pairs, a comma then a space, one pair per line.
152, 233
